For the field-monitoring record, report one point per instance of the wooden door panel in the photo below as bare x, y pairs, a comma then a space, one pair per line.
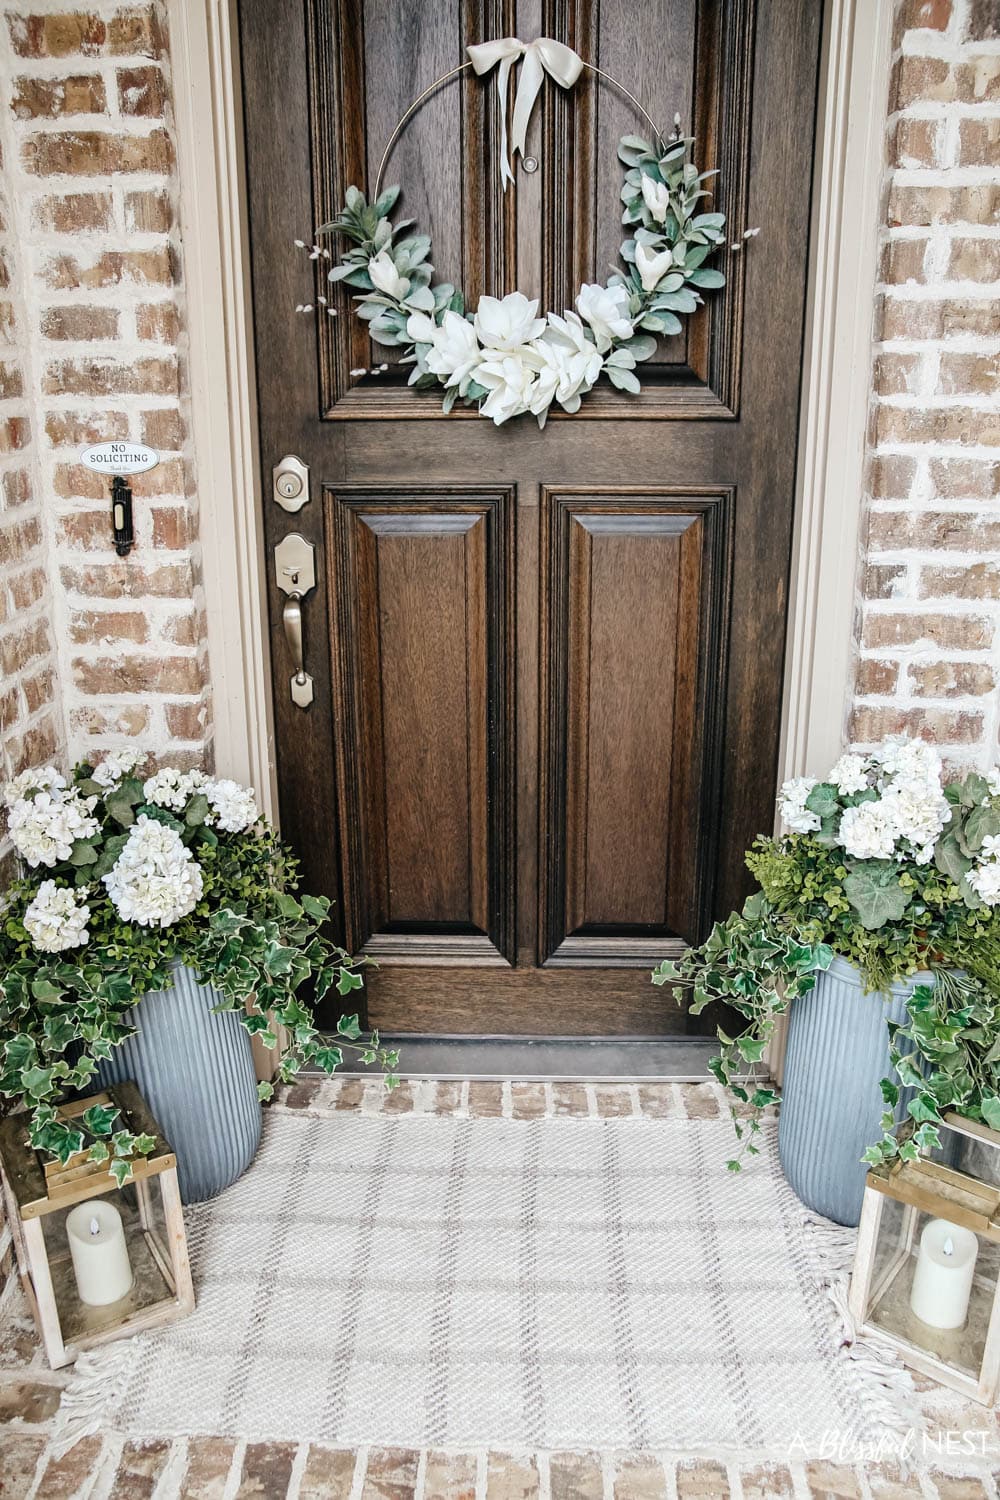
420, 651
370, 60
636, 677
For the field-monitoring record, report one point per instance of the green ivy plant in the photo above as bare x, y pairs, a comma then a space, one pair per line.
253, 936
891, 918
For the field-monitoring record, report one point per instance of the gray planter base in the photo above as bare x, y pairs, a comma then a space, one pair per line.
831, 1104
195, 1070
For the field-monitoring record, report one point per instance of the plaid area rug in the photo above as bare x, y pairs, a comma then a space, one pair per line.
548, 1283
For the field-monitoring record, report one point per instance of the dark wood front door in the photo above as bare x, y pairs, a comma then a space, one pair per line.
547, 665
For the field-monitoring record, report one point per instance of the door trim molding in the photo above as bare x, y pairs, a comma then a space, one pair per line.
836, 381
854, 78
208, 115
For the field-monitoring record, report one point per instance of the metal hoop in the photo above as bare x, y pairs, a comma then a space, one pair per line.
454, 72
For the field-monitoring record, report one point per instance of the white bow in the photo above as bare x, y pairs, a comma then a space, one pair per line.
540, 57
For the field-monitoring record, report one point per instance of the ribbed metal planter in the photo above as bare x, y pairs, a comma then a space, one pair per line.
831, 1104
195, 1070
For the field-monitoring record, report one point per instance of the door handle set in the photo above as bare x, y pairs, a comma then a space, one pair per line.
295, 572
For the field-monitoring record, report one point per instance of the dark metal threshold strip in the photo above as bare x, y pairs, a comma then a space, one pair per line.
605, 1059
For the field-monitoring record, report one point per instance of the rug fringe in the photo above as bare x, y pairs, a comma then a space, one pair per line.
892, 1400
95, 1389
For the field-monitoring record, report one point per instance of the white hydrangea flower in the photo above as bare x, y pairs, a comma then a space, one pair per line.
792, 805
993, 780
916, 813
44, 828
850, 774
156, 880
909, 762
40, 778
57, 918
171, 788
991, 847
985, 881
233, 807
867, 832
116, 766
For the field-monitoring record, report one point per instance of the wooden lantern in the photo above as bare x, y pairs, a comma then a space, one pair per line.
929, 1246
40, 1196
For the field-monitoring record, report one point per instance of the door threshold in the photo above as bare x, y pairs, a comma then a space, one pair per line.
579, 1059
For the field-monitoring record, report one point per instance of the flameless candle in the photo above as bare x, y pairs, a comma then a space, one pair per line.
942, 1281
100, 1258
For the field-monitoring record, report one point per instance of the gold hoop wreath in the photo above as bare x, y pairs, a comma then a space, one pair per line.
501, 356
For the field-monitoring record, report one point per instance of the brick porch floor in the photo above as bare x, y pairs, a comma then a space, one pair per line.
215, 1468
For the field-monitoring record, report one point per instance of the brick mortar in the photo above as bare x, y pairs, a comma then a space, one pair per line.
933, 434
100, 710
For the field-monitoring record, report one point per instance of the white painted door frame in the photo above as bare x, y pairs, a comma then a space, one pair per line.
835, 393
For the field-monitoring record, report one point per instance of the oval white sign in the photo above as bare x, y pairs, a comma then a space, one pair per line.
119, 458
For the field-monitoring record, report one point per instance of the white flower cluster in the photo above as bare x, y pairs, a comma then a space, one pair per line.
43, 828
156, 879
985, 878
233, 807
56, 918
525, 362
116, 766
902, 821
40, 779
172, 789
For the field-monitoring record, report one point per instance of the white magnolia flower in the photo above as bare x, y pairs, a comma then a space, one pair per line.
510, 379
656, 197
985, 881
508, 323
233, 807
44, 828
570, 364
116, 766
454, 351
172, 788
605, 308
792, 805
867, 832
56, 919
156, 879
652, 266
850, 774
40, 778
385, 277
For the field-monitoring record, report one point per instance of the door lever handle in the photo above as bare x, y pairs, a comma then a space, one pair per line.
291, 619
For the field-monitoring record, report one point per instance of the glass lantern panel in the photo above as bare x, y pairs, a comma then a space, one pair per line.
139, 1206
933, 1286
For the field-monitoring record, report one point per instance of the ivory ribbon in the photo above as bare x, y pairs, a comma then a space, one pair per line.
544, 55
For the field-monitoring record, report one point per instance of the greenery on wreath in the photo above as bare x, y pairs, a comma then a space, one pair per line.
889, 868
121, 878
502, 357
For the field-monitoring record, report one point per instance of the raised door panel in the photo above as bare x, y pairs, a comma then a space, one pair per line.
419, 587
638, 591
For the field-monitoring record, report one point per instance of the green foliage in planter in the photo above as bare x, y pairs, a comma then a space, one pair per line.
897, 873
232, 912
949, 1052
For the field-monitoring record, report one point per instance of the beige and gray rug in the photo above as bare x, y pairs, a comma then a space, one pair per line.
535, 1284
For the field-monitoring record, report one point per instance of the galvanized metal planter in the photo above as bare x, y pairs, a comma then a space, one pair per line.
196, 1072
838, 1051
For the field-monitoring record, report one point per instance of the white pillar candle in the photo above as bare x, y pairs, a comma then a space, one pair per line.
942, 1281
100, 1257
